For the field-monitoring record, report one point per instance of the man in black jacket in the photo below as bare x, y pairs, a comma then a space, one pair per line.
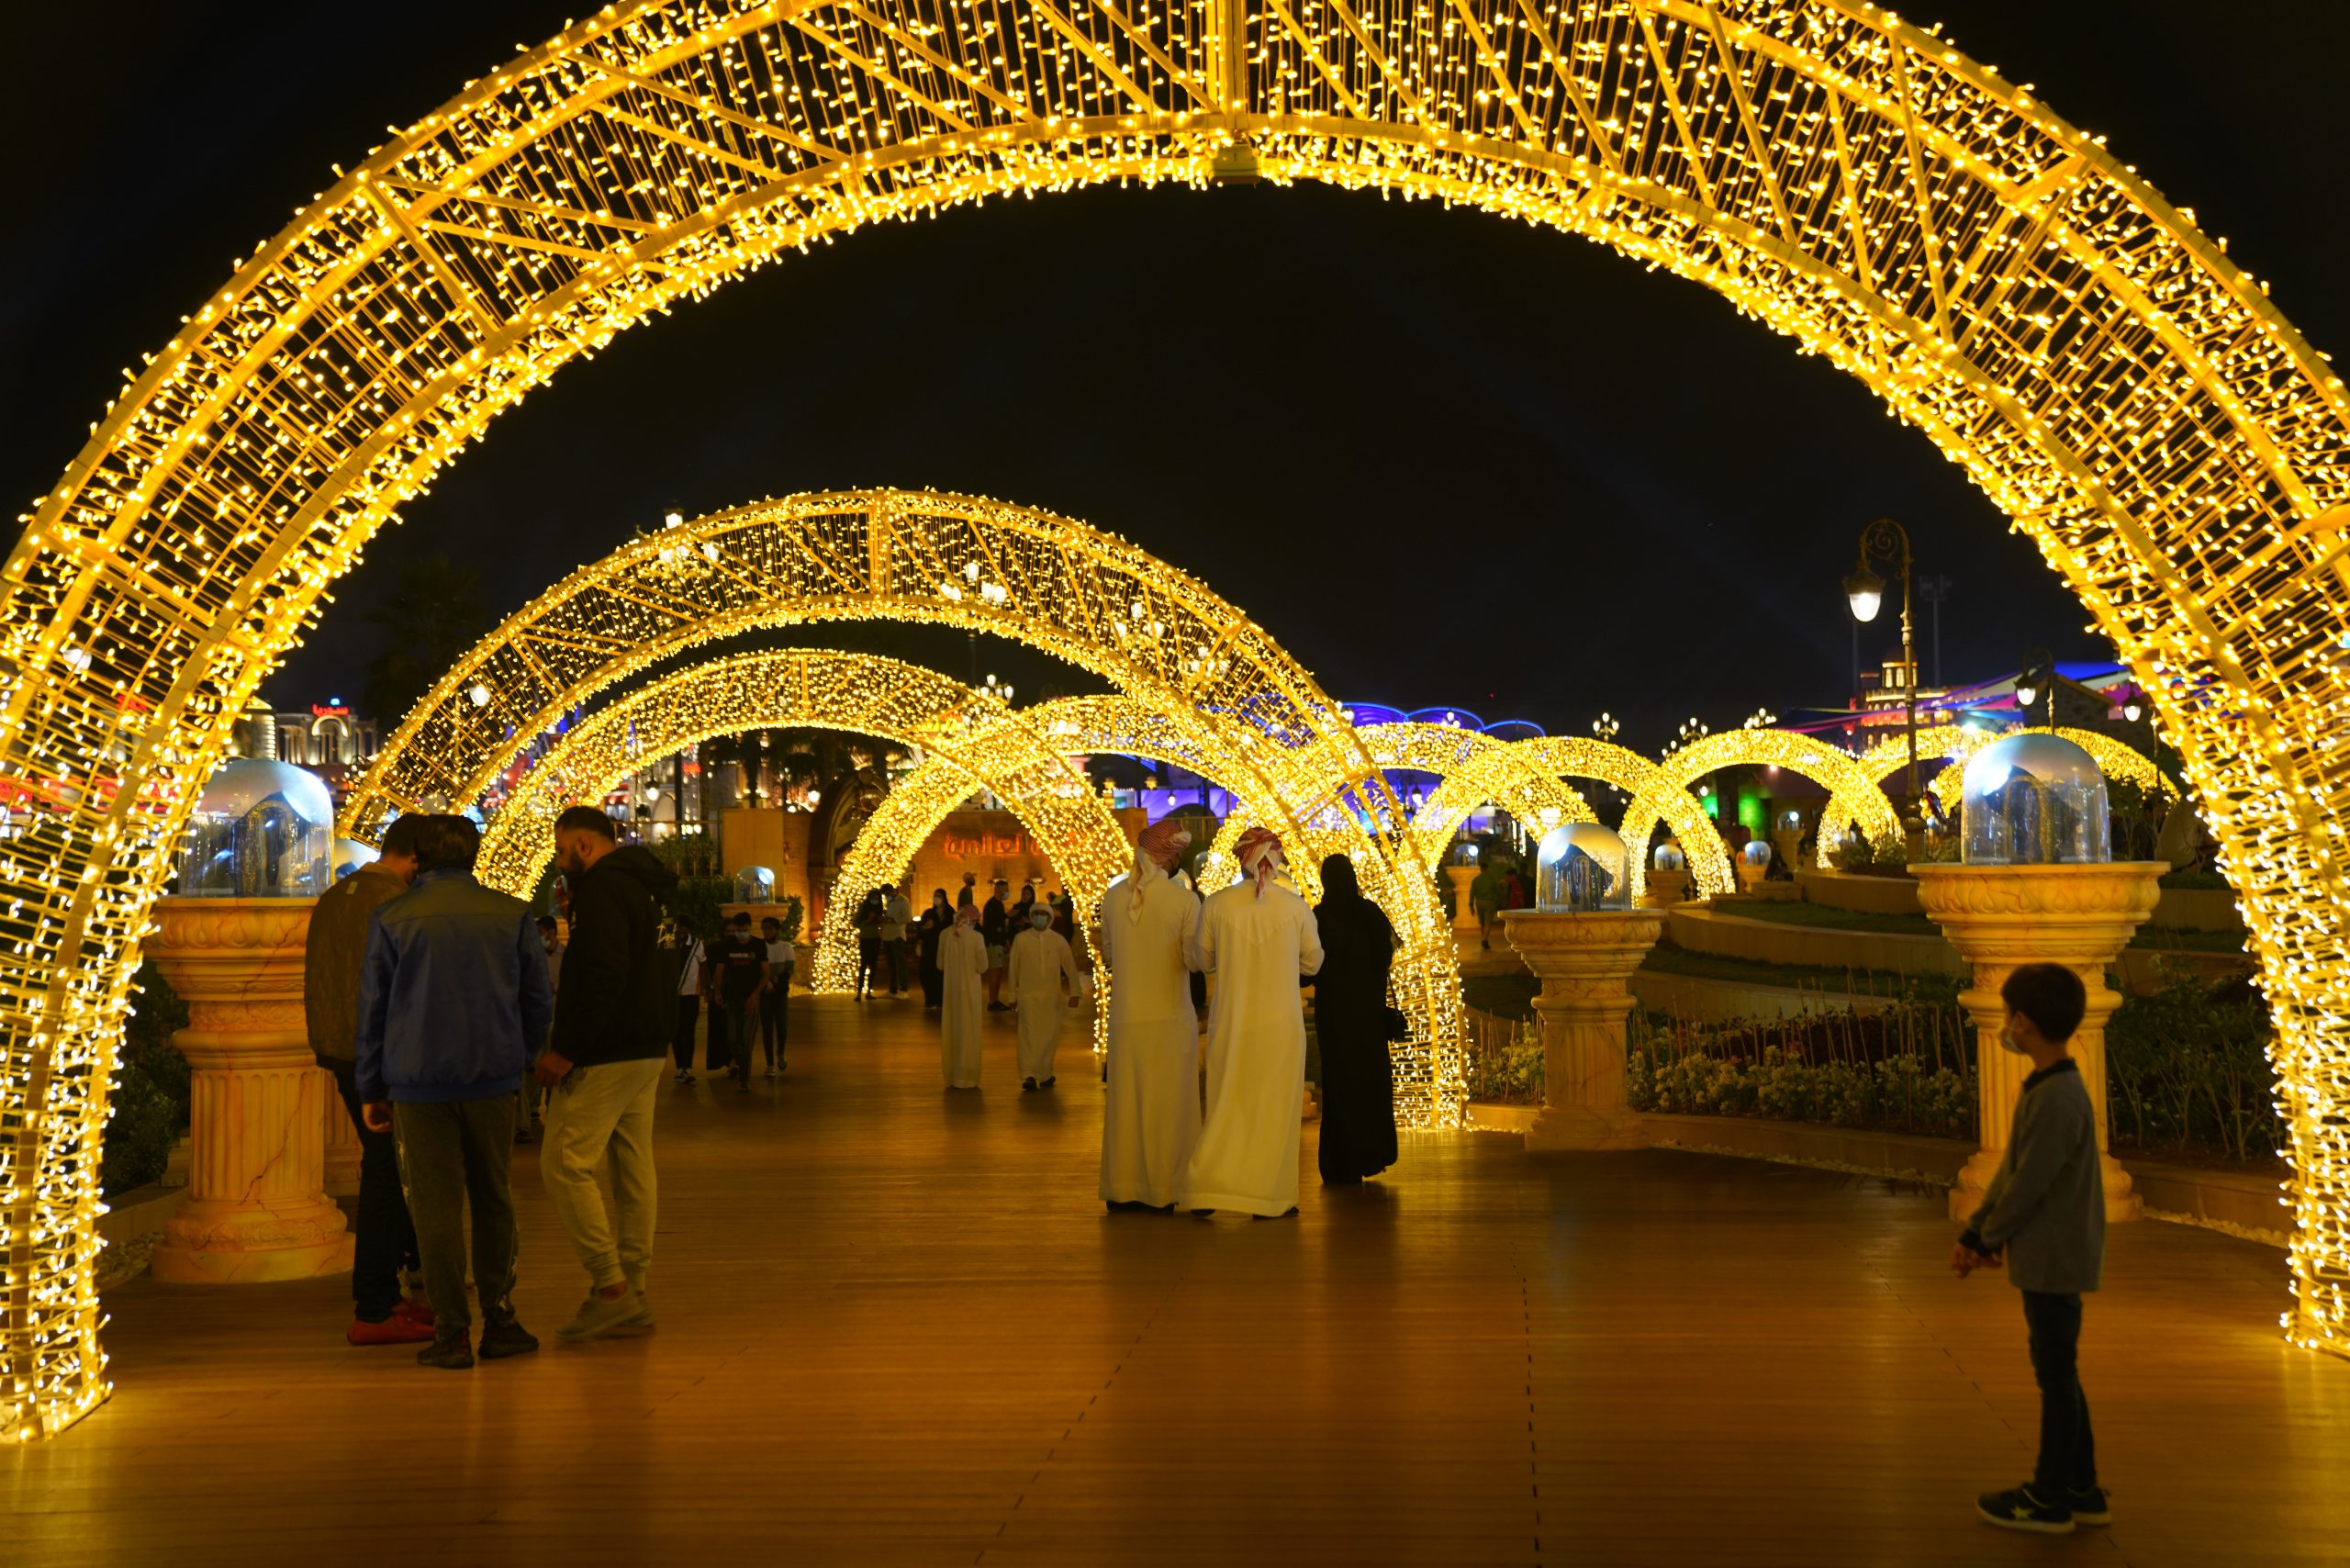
613, 1017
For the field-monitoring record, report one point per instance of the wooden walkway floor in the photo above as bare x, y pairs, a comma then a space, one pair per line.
897, 1327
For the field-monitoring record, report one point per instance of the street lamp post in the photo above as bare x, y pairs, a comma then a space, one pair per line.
2036, 675
1887, 540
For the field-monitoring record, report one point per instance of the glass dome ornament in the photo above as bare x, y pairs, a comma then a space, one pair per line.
1668, 857
1755, 853
755, 884
1581, 867
261, 830
349, 854
2034, 799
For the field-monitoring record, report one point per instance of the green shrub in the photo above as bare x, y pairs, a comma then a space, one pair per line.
150, 1101
2187, 1070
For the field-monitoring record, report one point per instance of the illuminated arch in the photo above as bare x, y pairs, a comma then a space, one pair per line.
2117, 385
1490, 775
966, 731
1851, 788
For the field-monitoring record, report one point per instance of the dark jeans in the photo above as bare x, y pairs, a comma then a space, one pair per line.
452, 1153
868, 957
775, 1029
688, 1014
896, 950
2067, 1451
742, 1028
383, 1241
714, 1038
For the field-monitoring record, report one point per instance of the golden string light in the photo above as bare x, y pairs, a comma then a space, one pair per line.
2104, 373
1854, 792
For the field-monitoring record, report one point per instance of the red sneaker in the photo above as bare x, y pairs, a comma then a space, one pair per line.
393, 1330
413, 1310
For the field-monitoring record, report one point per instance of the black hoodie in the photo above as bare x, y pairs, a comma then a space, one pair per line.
618, 1001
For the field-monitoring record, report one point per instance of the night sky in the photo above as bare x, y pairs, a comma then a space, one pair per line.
1444, 458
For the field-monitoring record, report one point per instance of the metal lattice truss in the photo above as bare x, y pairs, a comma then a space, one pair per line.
958, 728
1851, 790
2110, 377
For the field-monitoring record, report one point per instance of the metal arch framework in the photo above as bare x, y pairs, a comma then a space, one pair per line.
1849, 784
962, 730
1490, 776
2120, 388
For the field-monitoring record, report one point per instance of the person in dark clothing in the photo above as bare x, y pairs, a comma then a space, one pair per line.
995, 930
774, 1019
682, 950
612, 1023
1352, 1022
866, 923
2042, 1220
452, 1004
927, 931
741, 960
383, 1238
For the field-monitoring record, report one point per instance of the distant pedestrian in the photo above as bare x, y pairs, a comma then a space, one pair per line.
453, 1005
383, 1238
995, 930
1488, 896
683, 950
774, 1022
2043, 1220
1041, 963
963, 959
866, 923
741, 960
897, 913
1354, 1025
610, 1022
935, 922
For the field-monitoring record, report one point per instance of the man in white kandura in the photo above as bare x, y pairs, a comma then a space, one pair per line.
1257, 938
1150, 925
1040, 961
963, 960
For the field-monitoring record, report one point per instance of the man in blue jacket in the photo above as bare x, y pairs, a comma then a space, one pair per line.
452, 1004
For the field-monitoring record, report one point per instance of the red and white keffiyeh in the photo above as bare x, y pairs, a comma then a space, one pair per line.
1157, 852
1261, 855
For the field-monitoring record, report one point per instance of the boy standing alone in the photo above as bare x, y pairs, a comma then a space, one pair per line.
2043, 1220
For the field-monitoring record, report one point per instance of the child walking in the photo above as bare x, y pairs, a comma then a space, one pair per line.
2043, 1220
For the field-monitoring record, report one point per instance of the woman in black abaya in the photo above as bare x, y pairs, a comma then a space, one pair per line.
1354, 1024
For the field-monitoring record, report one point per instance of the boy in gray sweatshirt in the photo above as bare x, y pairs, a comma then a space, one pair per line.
2043, 1220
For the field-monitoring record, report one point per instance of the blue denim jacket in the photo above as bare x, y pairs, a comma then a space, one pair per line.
453, 1002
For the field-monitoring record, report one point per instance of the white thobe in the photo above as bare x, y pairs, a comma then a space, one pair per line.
963, 956
1256, 948
1039, 961
1152, 1117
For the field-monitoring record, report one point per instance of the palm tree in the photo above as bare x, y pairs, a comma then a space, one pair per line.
431, 620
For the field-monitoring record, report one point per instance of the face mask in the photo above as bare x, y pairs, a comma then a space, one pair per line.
1039, 919
2007, 1041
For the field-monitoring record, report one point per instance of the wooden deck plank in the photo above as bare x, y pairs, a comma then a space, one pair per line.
897, 1327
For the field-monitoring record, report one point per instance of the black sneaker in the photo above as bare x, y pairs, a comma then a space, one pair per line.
2020, 1509
449, 1350
508, 1339
1029, 1086
2090, 1506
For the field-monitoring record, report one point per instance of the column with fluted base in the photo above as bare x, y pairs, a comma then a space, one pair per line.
1464, 915
256, 1208
2000, 917
341, 1145
1583, 961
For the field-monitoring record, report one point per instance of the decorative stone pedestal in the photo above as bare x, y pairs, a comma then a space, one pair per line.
1464, 918
1665, 888
1999, 917
1788, 841
342, 1146
256, 1208
1583, 961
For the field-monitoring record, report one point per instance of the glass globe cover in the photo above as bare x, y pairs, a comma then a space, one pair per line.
349, 854
1581, 867
261, 830
2034, 799
1755, 852
1668, 857
755, 884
